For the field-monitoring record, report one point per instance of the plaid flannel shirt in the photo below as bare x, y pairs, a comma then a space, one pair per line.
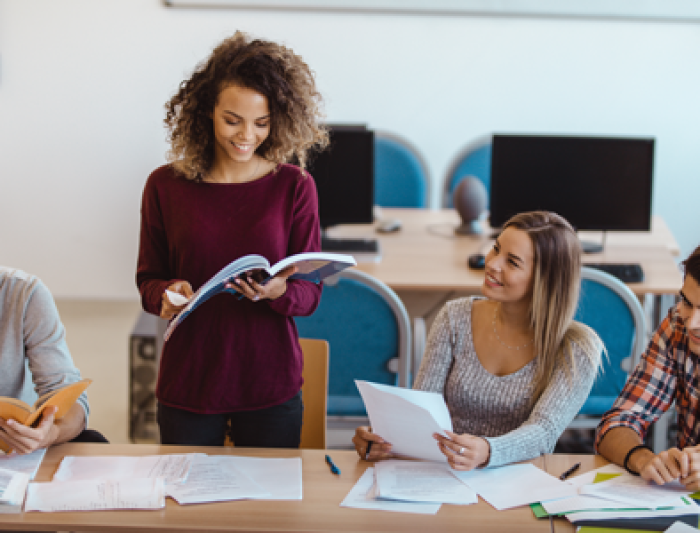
668, 371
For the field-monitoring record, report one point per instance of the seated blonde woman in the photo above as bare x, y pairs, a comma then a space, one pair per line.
513, 365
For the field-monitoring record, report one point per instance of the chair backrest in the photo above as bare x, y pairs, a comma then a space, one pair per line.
473, 160
612, 310
314, 392
401, 177
369, 331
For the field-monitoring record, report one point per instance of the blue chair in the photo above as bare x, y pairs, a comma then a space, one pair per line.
612, 310
473, 160
369, 333
401, 177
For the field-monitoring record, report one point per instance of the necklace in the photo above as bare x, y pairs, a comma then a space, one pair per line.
495, 312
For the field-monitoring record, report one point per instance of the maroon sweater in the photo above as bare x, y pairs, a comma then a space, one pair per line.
229, 354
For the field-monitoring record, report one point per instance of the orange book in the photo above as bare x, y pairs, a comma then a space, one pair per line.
30, 415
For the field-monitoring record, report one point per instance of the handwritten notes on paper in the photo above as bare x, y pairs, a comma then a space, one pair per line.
172, 468
96, 495
421, 482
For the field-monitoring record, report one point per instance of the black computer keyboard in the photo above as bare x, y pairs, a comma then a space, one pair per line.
367, 246
627, 272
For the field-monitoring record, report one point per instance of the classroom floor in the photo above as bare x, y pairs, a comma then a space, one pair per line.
98, 337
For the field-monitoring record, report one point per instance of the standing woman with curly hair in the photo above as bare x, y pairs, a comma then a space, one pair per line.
229, 191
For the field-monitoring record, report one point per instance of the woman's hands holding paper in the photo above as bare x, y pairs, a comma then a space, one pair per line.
253, 290
169, 308
379, 449
23, 439
464, 452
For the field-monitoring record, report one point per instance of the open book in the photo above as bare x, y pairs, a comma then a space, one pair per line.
30, 415
311, 266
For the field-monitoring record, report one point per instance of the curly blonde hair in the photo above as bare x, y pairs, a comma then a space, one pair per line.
263, 66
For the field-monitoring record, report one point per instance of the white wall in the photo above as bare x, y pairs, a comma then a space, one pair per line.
83, 83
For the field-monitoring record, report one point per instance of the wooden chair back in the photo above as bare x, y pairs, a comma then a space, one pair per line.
314, 393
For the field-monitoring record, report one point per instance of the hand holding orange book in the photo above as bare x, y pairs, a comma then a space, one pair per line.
30, 415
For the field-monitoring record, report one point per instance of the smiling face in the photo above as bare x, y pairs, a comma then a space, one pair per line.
510, 267
690, 311
241, 123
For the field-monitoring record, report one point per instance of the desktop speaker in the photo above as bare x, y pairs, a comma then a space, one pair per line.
144, 358
470, 200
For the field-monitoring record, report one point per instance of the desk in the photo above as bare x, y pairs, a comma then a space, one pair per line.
319, 511
425, 255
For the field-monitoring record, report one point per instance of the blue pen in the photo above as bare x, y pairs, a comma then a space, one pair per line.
334, 468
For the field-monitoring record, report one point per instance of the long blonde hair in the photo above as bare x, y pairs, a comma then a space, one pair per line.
555, 294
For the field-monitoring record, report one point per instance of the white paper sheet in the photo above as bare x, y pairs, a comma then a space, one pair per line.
680, 527
280, 477
96, 495
407, 418
416, 481
13, 485
510, 486
213, 480
172, 468
361, 497
637, 492
27, 464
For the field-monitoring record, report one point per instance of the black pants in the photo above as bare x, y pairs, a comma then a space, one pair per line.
278, 426
90, 435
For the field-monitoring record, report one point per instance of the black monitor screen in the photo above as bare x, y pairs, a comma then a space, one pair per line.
596, 183
344, 175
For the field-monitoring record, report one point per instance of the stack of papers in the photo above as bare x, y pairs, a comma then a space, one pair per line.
408, 486
15, 473
113, 482
609, 496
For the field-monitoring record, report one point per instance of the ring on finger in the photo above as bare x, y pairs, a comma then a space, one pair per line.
256, 297
461, 450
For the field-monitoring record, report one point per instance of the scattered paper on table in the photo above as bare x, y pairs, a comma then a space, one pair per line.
96, 495
28, 464
510, 486
417, 481
636, 491
361, 497
173, 468
212, 480
280, 477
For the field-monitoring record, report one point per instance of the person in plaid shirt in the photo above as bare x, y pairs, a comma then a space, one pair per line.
669, 371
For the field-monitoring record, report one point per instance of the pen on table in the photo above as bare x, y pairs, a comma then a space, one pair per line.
569, 471
334, 468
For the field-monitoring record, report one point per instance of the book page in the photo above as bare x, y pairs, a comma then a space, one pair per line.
63, 398
96, 495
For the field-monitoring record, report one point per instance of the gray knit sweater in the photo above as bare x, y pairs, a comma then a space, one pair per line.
33, 348
498, 407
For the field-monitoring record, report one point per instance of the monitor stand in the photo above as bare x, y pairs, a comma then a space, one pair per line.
590, 247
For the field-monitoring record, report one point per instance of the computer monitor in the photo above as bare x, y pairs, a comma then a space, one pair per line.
596, 183
344, 176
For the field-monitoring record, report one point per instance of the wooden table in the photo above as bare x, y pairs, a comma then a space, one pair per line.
426, 255
319, 511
